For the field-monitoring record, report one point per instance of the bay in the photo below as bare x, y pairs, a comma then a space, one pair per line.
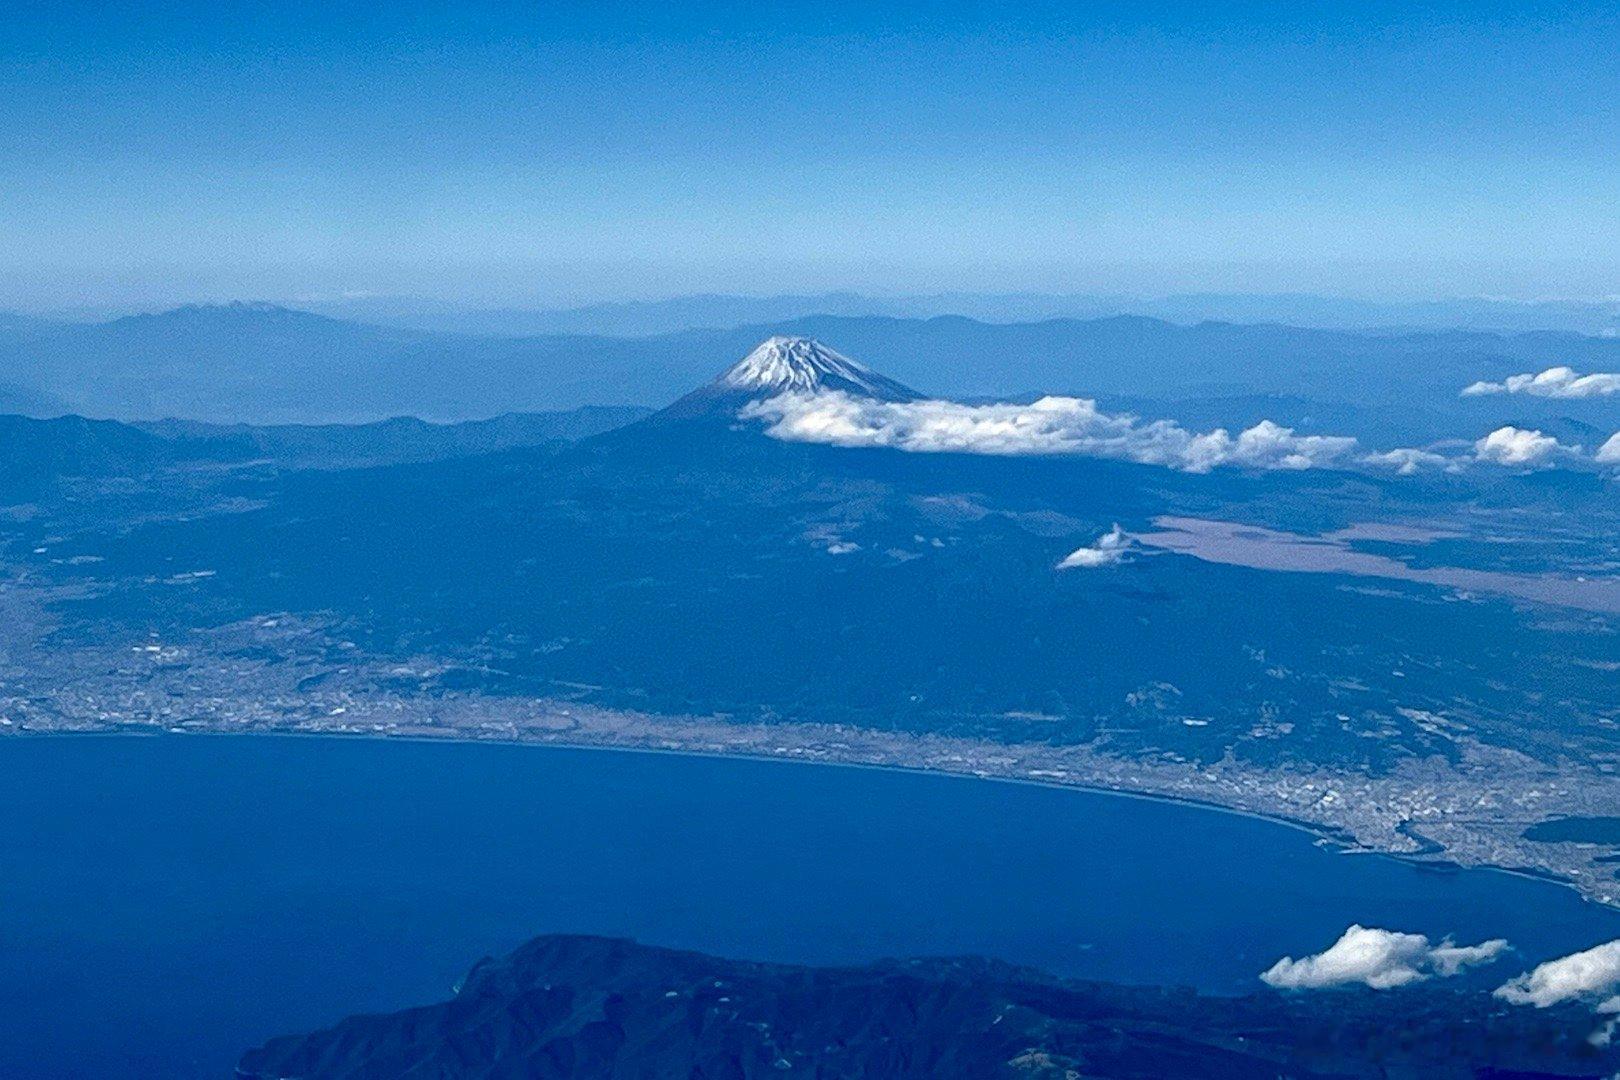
166, 902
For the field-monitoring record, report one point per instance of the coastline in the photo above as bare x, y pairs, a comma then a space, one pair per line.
1432, 855
1326, 834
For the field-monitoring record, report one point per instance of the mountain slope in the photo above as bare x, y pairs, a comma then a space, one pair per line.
395, 440
36, 454
598, 1008
235, 362
786, 365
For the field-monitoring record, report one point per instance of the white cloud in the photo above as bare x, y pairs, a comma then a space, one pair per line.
1448, 959
1381, 959
1052, 425
1109, 549
1518, 446
1555, 382
1075, 426
1592, 975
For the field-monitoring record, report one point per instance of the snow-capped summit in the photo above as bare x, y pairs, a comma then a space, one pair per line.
782, 365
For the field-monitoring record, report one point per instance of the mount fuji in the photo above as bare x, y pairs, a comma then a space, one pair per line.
787, 365
802, 365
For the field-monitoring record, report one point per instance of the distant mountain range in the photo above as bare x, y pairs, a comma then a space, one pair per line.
230, 363
651, 317
27, 401
15, 327
580, 1007
262, 364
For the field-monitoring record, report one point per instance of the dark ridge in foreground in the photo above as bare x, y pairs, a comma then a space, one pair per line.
566, 1006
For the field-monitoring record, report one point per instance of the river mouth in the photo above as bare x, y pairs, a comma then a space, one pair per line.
316, 878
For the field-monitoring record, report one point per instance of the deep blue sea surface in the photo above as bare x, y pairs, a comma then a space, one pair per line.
167, 902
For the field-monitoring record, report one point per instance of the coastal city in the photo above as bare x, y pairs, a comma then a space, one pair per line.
289, 675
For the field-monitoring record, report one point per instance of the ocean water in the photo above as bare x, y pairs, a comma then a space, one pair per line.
167, 902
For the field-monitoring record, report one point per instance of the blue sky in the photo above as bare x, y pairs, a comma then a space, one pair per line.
549, 153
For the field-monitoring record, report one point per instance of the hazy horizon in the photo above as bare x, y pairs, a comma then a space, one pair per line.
1305, 308
502, 156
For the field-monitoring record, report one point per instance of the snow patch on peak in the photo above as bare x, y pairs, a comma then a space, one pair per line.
801, 365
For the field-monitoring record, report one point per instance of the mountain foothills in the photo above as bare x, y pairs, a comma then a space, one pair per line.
578, 1006
36, 453
1412, 648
